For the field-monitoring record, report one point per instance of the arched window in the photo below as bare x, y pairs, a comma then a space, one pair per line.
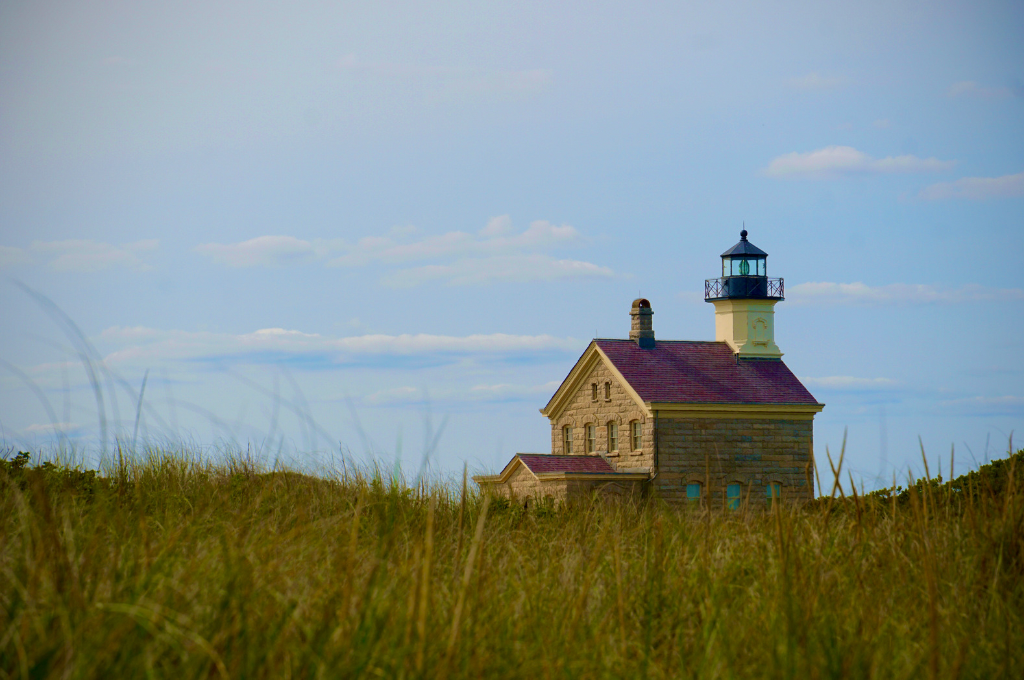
694, 494
772, 493
635, 435
589, 437
568, 440
612, 436
734, 496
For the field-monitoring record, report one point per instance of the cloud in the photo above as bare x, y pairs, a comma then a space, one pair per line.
497, 238
144, 345
12, 255
496, 253
977, 188
268, 251
81, 255
857, 293
49, 427
816, 81
850, 383
837, 161
985, 405
968, 88
401, 395
509, 268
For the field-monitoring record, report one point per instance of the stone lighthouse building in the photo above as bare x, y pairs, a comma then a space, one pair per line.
718, 423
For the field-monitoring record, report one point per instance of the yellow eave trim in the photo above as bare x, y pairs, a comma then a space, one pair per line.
801, 412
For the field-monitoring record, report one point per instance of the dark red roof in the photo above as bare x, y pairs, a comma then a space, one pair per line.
703, 372
552, 463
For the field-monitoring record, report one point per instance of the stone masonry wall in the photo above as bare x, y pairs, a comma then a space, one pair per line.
749, 452
620, 407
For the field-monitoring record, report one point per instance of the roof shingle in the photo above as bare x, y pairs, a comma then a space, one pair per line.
703, 372
552, 463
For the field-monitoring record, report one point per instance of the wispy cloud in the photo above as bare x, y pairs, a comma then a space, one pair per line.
816, 81
857, 293
141, 344
498, 252
268, 251
850, 383
505, 268
496, 238
969, 88
977, 188
837, 161
985, 405
80, 255
497, 393
12, 255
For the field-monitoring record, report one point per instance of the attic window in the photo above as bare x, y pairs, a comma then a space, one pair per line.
594, 392
607, 391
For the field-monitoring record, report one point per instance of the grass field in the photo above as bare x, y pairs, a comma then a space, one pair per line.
168, 567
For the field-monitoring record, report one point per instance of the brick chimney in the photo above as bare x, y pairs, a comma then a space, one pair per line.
641, 324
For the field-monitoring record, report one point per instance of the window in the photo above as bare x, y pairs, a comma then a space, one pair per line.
594, 392
772, 493
694, 490
589, 437
568, 440
607, 390
612, 436
734, 496
635, 435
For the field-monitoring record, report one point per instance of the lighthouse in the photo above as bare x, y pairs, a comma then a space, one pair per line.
744, 297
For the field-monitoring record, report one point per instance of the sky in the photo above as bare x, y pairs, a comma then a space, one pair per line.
386, 231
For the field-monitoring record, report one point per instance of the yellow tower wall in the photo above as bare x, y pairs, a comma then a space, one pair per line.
747, 326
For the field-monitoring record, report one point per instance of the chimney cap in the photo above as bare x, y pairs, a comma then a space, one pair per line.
641, 304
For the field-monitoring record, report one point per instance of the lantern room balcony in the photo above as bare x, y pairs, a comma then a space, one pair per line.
743, 287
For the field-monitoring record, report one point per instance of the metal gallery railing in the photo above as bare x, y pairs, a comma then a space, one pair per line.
744, 287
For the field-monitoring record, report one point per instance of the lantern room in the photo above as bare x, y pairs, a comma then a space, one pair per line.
744, 274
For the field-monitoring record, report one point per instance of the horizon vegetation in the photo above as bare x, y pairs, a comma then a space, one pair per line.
165, 565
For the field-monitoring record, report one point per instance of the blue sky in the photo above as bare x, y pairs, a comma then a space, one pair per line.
384, 224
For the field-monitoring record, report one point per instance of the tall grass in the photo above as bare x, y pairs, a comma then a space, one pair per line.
169, 567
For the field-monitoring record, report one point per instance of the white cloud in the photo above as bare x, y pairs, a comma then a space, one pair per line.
508, 268
816, 81
857, 293
263, 250
141, 344
12, 255
497, 238
968, 88
83, 255
977, 188
496, 253
985, 401
401, 395
49, 427
852, 383
840, 161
